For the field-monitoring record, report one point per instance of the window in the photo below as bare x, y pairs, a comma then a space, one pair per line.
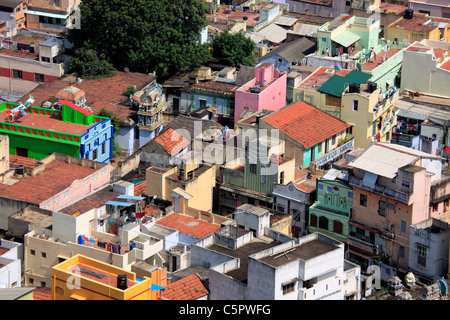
360, 233
347, 3
425, 12
313, 221
337, 226
405, 183
42, 283
280, 208
31, 280
43, 254
355, 105
321, 187
382, 208
323, 223
280, 60
288, 288
319, 148
349, 130
403, 226
57, 3
45, 59
32, 252
17, 74
333, 139
350, 194
202, 103
422, 255
94, 154
103, 148
329, 189
38, 77
401, 251
282, 177
253, 168
363, 200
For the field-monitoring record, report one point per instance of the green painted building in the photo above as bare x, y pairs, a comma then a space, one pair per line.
36, 132
330, 212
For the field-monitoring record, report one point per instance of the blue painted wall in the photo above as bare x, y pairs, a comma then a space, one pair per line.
98, 137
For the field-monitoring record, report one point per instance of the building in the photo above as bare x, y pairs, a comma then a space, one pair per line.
266, 91
189, 184
11, 258
428, 251
309, 134
84, 278
22, 293
12, 12
243, 267
430, 59
414, 27
287, 54
51, 17
391, 191
371, 113
150, 103
24, 67
330, 213
328, 8
36, 132
51, 184
433, 8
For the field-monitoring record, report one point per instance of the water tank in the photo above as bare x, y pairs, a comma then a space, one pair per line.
20, 169
409, 14
132, 245
122, 281
80, 239
255, 90
371, 86
353, 88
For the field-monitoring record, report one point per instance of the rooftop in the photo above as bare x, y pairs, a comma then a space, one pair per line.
95, 200
171, 141
417, 23
214, 87
102, 93
306, 124
373, 63
304, 251
42, 293
189, 288
188, 225
19, 54
320, 76
56, 177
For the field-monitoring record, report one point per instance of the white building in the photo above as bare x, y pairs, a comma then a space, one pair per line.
11, 256
429, 248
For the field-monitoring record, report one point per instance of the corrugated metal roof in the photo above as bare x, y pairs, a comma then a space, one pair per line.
273, 33
336, 85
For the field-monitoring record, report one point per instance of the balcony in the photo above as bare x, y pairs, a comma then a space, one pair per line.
361, 244
378, 189
321, 289
330, 156
229, 202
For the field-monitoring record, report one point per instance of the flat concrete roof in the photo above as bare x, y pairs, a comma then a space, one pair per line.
305, 251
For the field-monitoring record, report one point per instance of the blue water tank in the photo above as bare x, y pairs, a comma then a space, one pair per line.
132, 245
80, 239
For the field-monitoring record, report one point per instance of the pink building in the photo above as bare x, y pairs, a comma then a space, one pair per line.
266, 91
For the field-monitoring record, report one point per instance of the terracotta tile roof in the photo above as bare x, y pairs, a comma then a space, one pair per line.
306, 124
57, 176
446, 65
188, 225
94, 200
307, 185
387, 7
15, 161
102, 93
319, 77
151, 210
189, 288
139, 188
70, 93
171, 141
42, 293
414, 24
372, 63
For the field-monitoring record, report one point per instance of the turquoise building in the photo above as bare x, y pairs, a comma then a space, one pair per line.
330, 212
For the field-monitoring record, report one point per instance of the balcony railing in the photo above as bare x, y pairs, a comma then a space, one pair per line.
378, 189
229, 202
335, 153
366, 246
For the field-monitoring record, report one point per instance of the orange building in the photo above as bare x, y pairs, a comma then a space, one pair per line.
84, 278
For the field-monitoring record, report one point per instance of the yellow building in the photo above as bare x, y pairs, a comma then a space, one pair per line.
416, 27
83, 278
370, 112
189, 184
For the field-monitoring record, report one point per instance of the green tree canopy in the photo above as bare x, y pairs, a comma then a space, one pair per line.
87, 64
144, 35
236, 48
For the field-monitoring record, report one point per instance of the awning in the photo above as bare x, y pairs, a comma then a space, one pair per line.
47, 14
124, 196
119, 203
345, 38
370, 179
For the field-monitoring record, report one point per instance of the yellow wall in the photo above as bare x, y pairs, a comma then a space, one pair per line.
64, 286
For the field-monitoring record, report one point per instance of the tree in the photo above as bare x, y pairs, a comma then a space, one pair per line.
236, 48
85, 63
144, 35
